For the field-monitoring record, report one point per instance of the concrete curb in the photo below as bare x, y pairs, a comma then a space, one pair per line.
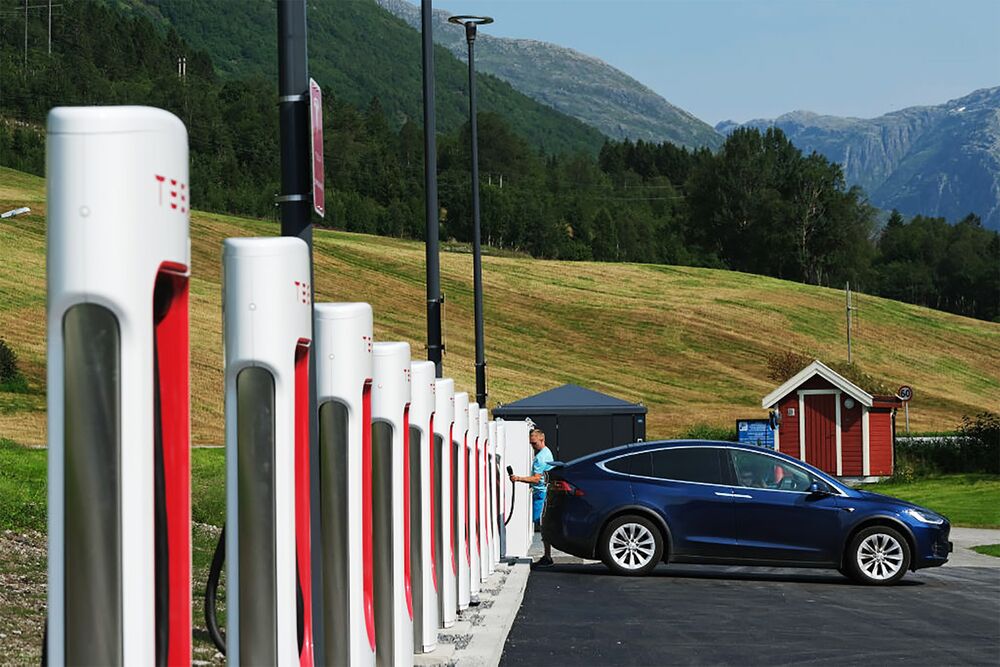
478, 636
488, 641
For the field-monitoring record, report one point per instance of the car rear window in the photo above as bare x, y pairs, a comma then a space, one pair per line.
687, 464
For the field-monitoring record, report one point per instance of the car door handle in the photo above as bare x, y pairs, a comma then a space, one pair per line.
732, 495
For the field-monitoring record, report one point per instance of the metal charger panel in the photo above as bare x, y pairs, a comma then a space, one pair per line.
92, 502
257, 559
439, 524
382, 544
455, 449
416, 529
334, 420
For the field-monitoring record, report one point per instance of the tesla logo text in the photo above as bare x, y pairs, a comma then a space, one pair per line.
303, 291
367, 340
172, 193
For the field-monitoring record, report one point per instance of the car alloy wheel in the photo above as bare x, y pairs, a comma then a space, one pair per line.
878, 555
631, 545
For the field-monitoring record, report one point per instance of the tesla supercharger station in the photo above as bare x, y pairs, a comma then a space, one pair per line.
472, 502
460, 439
422, 551
343, 394
445, 567
267, 309
518, 455
493, 486
119, 561
485, 496
391, 504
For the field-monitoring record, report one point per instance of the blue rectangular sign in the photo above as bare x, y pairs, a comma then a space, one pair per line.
755, 432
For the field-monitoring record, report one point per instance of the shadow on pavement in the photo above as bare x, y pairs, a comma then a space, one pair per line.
714, 573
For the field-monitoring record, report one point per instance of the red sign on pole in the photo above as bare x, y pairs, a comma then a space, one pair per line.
316, 116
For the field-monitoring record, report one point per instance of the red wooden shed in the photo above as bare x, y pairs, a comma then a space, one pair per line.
833, 424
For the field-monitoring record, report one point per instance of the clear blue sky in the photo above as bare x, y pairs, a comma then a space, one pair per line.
743, 59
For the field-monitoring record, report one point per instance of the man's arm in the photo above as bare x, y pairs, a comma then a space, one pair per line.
533, 479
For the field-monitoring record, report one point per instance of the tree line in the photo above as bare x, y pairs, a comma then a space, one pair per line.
757, 205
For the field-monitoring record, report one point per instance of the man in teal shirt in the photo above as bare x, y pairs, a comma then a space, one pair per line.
541, 464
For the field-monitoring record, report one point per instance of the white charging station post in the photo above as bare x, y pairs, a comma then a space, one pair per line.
518, 455
460, 437
422, 576
343, 351
268, 325
391, 504
498, 475
492, 490
446, 567
119, 517
472, 502
485, 495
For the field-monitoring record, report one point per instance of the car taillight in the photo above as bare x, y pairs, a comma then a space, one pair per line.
562, 486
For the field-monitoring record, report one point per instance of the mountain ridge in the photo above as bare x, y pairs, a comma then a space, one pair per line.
939, 160
342, 60
575, 83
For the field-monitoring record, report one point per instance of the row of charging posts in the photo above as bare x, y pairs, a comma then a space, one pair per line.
411, 474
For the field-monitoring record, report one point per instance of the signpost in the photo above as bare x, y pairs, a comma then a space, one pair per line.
904, 394
758, 432
316, 135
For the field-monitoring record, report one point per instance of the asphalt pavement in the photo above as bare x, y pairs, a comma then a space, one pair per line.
577, 613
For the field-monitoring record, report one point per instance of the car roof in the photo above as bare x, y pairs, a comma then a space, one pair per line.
637, 447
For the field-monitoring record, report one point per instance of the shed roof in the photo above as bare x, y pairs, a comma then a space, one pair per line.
569, 398
817, 367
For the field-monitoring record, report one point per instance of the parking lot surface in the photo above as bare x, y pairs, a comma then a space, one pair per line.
578, 614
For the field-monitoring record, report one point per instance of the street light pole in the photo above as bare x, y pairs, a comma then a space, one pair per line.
471, 24
435, 346
296, 211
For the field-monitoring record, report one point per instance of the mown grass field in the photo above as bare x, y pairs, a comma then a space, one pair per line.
689, 343
970, 500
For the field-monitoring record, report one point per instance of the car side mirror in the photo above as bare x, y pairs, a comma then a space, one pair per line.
818, 489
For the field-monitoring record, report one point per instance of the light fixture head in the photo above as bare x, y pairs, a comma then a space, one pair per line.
475, 20
470, 23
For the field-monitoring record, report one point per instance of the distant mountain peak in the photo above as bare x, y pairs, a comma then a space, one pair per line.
575, 83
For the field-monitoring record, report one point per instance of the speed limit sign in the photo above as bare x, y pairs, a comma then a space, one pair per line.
905, 393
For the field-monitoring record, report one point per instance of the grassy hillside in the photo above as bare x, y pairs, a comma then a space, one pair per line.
688, 342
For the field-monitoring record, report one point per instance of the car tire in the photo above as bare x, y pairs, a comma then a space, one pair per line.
877, 556
631, 545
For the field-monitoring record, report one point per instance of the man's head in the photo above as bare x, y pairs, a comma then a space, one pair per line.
537, 439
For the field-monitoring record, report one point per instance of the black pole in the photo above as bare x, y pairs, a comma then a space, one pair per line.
477, 262
435, 346
295, 201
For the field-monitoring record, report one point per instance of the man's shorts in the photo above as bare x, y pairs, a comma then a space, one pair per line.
537, 504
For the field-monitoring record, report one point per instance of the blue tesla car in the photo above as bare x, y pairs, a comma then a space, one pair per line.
695, 501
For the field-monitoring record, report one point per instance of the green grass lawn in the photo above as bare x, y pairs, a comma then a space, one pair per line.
23, 486
971, 500
23, 508
988, 549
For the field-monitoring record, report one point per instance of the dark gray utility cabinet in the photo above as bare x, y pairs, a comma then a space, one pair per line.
578, 421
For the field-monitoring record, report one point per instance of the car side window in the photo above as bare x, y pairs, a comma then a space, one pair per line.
688, 464
759, 471
621, 464
634, 464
